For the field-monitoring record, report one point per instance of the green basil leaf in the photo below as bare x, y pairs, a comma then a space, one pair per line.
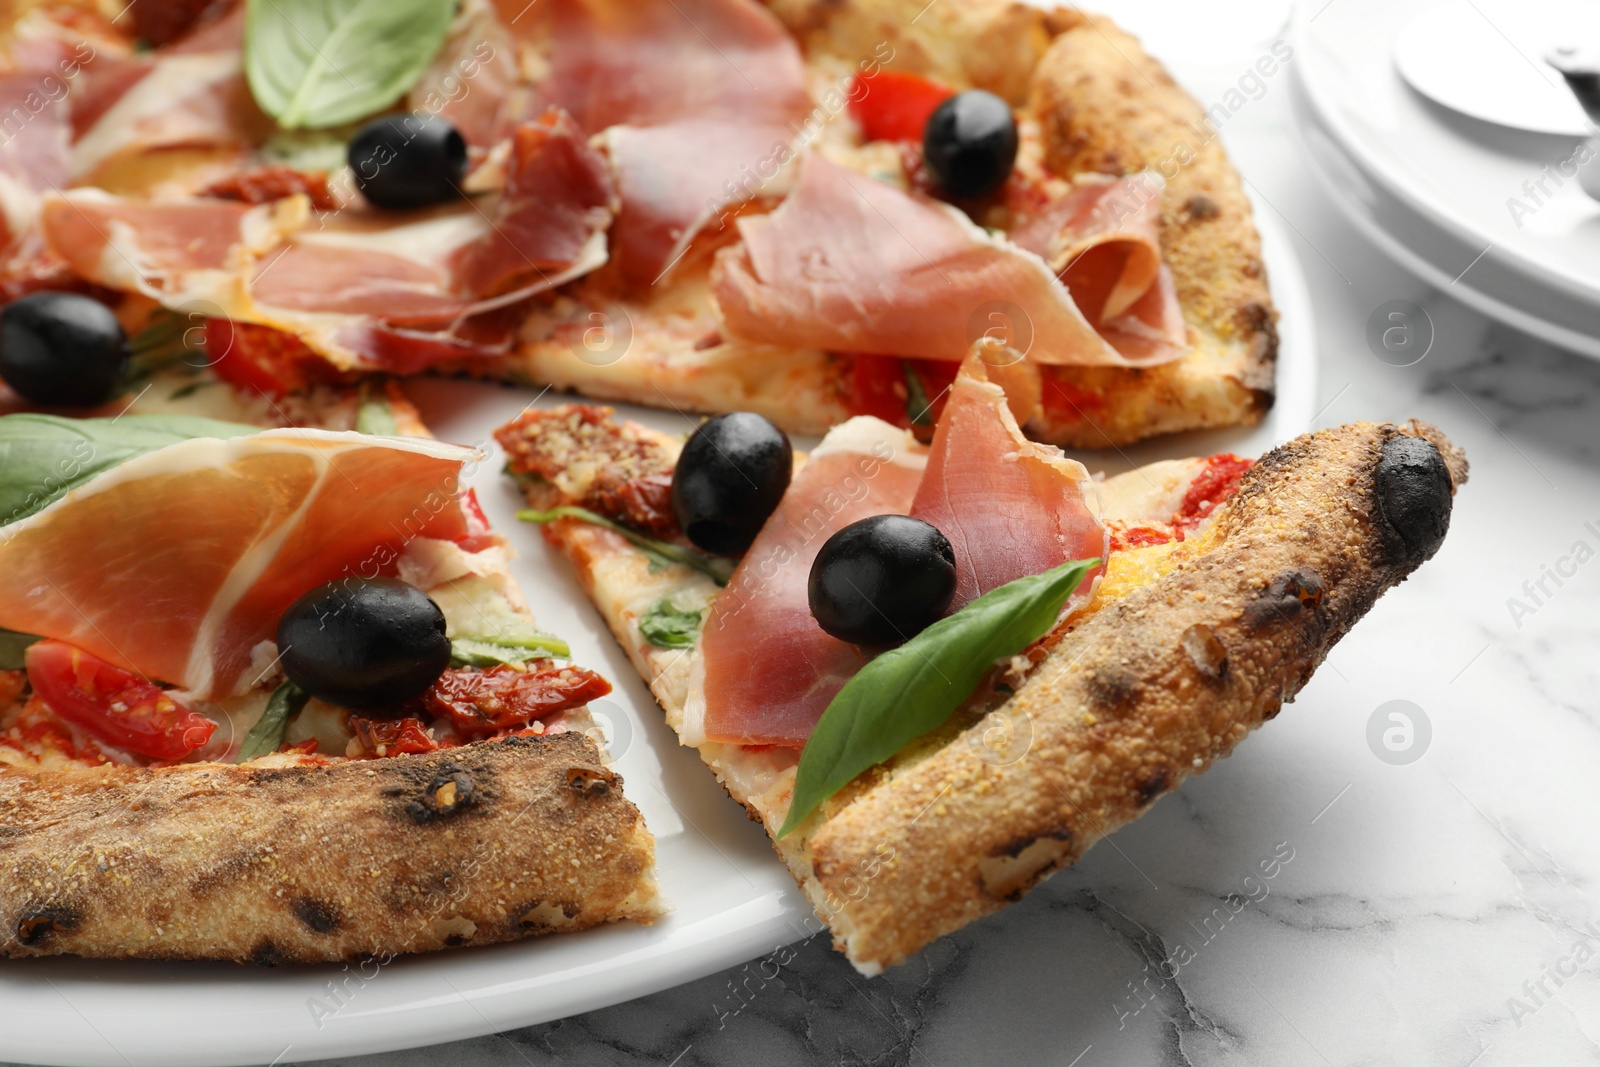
473, 652
13, 647
43, 457
266, 736
718, 570
918, 407
666, 626
915, 688
308, 150
376, 417
320, 63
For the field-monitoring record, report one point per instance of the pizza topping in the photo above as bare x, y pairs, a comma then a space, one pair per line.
62, 348
115, 706
267, 735
227, 534
895, 105
364, 643
1103, 239
731, 475
693, 99
1010, 506
882, 580
391, 737
970, 145
1217, 481
766, 670
851, 264
262, 185
402, 162
911, 690
482, 703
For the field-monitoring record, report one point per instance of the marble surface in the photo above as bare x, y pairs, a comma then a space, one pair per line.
1319, 904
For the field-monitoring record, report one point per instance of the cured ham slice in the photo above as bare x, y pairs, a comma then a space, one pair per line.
473, 82
694, 97
178, 563
851, 264
1010, 507
765, 670
1102, 239
335, 280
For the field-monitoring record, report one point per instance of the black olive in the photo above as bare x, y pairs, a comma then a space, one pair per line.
364, 643
883, 580
730, 477
408, 161
62, 348
970, 144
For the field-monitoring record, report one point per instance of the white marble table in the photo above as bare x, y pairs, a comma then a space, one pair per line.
1445, 911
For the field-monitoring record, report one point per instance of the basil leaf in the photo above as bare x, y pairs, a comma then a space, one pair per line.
266, 736
666, 626
13, 647
320, 63
473, 652
375, 417
912, 689
718, 570
918, 407
43, 457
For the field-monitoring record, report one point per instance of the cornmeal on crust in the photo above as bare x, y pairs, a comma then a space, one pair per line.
1100, 105
1185, 649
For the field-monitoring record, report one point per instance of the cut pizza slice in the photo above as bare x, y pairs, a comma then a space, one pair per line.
239, 667
1105, 638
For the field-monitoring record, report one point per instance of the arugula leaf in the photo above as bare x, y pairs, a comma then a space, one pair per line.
912, 689
266, 736
667, 626
319, 63
13, 647
718, 570
475, 652
43, 457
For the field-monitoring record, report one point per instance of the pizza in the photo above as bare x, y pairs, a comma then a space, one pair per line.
274, 697
809, 210
863, 676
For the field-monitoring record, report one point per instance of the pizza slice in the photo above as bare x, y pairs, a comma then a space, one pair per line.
939, 673
274, 697
820, 227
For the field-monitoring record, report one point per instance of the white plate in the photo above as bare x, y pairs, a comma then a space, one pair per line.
1432, 187
733, 899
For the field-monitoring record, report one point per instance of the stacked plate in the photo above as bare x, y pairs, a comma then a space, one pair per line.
1444, 133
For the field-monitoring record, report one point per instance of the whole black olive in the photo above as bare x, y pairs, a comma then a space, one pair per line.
882, 580
408, 161
729, 479
970, 144
364, 643
62, 348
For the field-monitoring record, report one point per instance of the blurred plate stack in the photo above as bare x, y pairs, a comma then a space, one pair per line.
1444, 133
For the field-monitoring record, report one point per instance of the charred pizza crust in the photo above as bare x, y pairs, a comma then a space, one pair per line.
296, 864
1183, 653
1102, 106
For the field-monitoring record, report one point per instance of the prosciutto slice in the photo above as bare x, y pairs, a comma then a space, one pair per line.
851, 264
765, 672
694, 99
333, 280
1103, 240
1011, 507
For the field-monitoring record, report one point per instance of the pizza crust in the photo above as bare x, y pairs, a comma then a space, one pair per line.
266, 864
1186, 648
